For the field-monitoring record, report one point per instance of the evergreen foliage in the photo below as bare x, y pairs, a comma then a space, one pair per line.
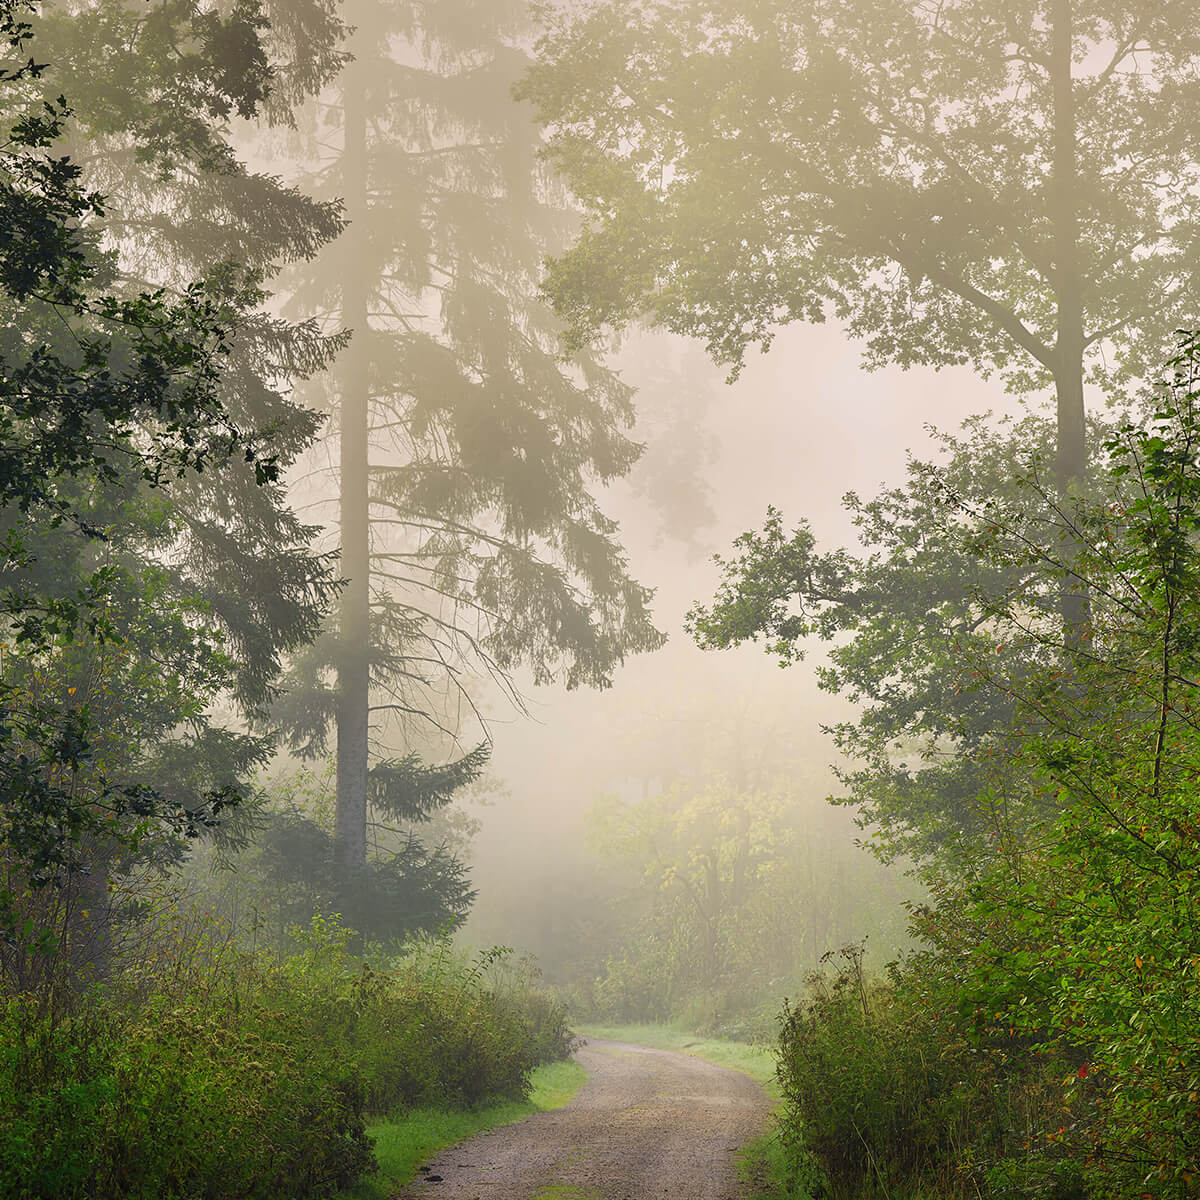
468, 449
111, 400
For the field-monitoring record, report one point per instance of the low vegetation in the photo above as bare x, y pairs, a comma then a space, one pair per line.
214, 1072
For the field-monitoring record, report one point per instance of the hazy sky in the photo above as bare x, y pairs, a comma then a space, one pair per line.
803, 425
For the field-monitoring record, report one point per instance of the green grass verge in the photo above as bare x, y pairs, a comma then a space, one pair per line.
764, 1166
404, 1144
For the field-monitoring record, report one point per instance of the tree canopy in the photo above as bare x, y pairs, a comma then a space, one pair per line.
1010, 186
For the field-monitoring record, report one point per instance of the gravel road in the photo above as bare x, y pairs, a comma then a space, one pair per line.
648, 1125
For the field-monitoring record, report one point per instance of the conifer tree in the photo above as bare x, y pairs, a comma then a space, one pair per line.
157, 92
212, 583
469, 535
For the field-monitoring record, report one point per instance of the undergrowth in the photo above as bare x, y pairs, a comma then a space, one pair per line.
252, 1076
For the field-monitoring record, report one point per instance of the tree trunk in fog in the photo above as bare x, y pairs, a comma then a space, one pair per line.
1068, 350
96, 926
353, 708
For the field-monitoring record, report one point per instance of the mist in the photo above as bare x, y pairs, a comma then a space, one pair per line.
599, 599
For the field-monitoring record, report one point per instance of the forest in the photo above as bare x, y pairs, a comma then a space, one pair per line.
621, 576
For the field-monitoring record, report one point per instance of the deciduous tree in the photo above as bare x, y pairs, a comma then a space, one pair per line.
1010, 186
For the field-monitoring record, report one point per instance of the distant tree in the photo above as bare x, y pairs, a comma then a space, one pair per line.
1011, 186
738, 890
467, 450
676, 394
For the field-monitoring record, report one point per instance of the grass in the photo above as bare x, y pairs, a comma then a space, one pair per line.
406, 1143
763, 1167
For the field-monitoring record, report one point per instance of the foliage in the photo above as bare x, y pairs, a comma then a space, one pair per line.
883, 1095
112, 403
412, 889
946, 179
145, 365
225, 1074
738, 888
209, 578
905, 620
1058, 995
290, 869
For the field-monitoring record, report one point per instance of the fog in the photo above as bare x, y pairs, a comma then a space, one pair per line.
675, 522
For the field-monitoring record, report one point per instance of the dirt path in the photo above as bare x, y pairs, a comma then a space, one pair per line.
648, 1125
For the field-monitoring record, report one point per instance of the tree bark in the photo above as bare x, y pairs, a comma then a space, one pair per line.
353, 708
1071, 460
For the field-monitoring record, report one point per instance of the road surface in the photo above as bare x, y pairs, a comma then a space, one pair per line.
647, 1125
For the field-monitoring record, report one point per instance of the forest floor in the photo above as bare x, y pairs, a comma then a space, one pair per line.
649, 1124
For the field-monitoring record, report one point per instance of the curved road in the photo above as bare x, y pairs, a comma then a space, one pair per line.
647, 1125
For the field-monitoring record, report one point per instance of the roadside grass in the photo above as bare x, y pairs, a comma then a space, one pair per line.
763, 1168
411, 1139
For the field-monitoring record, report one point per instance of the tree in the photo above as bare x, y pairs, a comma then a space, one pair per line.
904, 617
102, 394
469, 535
739, 888
1008, 186
1082, 938
293, 870
157, 91
209, 576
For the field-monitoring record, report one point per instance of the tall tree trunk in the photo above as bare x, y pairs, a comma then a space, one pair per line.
91, 937
353, 711
1068, 368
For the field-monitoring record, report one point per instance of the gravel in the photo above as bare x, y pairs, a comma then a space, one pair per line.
647, 1125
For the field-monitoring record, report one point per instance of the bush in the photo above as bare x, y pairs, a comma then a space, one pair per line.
886, 1093
187, 1098
254, 1077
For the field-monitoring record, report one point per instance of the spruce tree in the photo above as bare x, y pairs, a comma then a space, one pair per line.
470, 538
159, 91
211, 584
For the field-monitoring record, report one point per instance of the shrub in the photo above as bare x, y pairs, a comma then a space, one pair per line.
886, 1092
182, 1099
252, 1077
